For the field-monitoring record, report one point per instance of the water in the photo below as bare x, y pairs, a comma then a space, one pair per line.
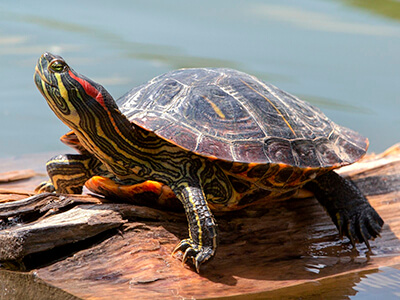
382, 283
340, 55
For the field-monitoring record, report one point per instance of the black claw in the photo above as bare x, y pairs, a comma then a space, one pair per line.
339, 224
198, 254
190, 252
366, 242
351, 234
182, 246
375, 228
363, 233
361, 226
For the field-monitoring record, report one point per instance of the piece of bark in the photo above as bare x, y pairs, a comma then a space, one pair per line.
76, 224
16, 175
41, 203
18, 241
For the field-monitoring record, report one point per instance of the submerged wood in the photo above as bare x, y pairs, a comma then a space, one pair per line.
265, 248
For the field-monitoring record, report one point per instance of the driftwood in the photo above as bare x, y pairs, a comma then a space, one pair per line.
95, 249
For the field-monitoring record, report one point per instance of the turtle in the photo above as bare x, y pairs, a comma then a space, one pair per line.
218, 138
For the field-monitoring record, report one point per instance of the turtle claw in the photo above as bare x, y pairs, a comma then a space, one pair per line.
45, 187
360, 224
198, 253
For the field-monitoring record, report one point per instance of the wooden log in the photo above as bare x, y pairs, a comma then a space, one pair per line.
262, 249
76, 224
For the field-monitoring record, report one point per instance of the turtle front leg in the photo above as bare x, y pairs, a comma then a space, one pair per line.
69, 172
347, 206
202, 242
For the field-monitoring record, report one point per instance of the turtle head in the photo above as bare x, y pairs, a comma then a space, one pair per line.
87, 108
72, 96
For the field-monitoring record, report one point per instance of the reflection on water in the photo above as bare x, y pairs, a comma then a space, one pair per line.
373, 284
335, 104
321, 21
386, 8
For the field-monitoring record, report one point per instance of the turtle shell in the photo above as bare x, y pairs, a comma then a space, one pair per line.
233, 116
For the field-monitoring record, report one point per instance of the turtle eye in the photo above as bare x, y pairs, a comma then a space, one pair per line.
57, 66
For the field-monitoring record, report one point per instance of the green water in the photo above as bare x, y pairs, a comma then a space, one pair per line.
342, 56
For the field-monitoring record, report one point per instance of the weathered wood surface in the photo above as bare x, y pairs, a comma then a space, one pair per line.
280, 245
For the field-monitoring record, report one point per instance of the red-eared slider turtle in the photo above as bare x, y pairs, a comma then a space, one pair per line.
219, 138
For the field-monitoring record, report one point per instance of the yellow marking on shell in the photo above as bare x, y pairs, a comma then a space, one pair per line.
215, 107
270, 102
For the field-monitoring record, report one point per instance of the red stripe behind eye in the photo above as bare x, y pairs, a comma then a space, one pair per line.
89, 89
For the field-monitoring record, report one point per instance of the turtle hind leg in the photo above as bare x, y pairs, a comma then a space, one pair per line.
147, 193
347, 206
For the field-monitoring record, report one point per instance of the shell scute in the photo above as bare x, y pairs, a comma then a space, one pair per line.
305, 153
327, 152
214, 147
279, 150
250, 151
179, 135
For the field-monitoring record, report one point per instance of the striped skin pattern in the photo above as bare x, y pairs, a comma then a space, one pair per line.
69, 172
204, 134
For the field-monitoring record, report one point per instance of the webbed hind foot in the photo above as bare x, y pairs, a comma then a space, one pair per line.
347, 206
359, 224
